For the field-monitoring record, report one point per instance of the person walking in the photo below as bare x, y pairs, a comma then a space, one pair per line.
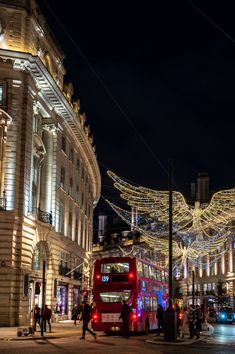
159, 316
177, 310
191, 321
47, 318
126, 318
86, 317
184, 327
198, 320
75, 312
37, 314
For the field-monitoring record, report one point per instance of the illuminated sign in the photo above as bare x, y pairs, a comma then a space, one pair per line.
105, 278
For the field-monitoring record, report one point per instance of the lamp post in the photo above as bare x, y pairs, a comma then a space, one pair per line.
43, 295
170, 332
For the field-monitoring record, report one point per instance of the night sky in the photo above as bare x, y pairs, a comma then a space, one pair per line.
157, 82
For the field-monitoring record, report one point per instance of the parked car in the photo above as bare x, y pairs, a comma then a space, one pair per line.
225, 315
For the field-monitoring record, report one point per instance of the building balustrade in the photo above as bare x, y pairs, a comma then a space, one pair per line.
42, 215
64, 270
3, 203
77, 275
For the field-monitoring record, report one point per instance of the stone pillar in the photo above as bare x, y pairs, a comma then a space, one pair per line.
46, 173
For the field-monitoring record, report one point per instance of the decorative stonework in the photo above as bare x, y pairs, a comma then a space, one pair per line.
54, 128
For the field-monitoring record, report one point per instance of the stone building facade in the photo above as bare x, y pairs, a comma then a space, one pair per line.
49, 175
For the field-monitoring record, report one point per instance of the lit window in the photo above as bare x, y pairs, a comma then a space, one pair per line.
71, 187
62, 177
1, 94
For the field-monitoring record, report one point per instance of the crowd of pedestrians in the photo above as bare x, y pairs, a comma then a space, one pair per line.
188, 319
41, 318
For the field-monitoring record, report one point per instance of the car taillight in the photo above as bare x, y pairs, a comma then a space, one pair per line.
131, 276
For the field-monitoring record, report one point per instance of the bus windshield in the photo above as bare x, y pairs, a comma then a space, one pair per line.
115, 296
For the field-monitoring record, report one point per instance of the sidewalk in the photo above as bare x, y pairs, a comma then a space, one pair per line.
68, 329
208, 330
61, 329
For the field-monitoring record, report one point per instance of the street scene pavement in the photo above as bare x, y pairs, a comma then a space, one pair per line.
65, 337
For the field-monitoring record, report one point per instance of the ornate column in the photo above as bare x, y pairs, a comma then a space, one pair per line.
5, 120
49, 132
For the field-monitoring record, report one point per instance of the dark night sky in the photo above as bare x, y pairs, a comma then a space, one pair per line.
165, 71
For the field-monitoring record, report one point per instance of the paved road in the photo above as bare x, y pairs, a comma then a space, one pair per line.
222, 343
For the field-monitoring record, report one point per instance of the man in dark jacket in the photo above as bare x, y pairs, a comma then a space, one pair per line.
160, 314
86, 317
126, 318
47, 317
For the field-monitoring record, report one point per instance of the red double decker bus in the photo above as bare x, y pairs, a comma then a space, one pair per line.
142, 284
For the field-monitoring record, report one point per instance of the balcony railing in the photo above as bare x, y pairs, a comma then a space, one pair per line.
77, 275
42, 215
64, 270
3, 204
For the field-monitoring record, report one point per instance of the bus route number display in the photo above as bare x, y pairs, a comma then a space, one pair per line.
105, 278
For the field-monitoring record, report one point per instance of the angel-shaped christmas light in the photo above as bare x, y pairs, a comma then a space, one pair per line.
198, 230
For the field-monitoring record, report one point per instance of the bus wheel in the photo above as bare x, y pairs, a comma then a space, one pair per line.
146, 328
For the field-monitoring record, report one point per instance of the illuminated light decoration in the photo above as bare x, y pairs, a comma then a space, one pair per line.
198, 231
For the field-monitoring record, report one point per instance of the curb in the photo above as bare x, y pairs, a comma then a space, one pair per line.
186, 342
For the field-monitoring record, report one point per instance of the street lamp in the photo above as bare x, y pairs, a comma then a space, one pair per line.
170, 332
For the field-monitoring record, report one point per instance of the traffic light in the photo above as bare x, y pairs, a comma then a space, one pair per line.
37, 288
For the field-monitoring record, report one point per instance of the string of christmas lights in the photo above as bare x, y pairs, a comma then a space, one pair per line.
198, 231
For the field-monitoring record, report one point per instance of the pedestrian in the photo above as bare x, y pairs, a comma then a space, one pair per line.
177, 310
47, 318
159, 316
198, 320
86, 317
56, 312
37, 314
191, 321
126, 318
75, 312
184, 327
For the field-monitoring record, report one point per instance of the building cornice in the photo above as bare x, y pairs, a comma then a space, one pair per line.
54, 97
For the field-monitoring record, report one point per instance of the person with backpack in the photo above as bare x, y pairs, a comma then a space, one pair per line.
47, 317
86, 317
126, 318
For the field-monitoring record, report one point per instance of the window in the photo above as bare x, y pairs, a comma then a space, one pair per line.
63, 144
146, 303
78, 165
114, 267
71, 155
77, 194
146, 270
62, 177
1, 94
115, 296
61, 218
76, 229
70, 226
71, 187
